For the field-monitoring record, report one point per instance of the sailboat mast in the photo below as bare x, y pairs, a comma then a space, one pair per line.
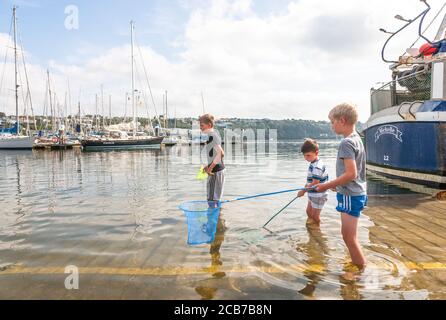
133, 81
79, 109
80, 118
56, 112
16, 71
109, 109
70, 121
167, 115
102, 103
65, 112
50, 95
96, 113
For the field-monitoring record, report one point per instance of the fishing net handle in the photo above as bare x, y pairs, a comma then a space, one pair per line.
269, 194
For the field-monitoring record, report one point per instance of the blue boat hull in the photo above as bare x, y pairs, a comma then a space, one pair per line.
410, 150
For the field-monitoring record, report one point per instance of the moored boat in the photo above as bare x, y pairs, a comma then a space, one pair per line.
120, 142
11, 138
405, 137
14, 142
131, 138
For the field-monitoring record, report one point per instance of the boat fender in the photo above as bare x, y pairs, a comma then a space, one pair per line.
427, 50
404, 82
420, 76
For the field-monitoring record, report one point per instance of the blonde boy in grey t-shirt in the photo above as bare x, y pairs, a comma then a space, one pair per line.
350, 183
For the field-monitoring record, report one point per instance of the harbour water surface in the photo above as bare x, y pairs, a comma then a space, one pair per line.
115, 216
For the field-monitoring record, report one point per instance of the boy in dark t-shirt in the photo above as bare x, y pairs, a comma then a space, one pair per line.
214, 152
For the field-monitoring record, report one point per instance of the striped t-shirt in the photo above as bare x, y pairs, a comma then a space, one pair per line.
317, 171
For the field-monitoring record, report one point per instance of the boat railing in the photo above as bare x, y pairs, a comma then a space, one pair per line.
401, 107
409, 86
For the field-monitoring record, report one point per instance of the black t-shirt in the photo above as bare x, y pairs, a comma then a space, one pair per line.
213, 141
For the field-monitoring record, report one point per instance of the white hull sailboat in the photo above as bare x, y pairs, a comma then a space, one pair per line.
14, 140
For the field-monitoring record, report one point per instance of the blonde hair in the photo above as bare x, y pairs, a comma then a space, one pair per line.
207, 119
347, 111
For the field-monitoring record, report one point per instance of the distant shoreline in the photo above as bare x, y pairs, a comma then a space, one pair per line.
287, 129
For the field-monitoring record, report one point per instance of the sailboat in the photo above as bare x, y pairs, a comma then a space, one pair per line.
120, 139
174, 136
11, 138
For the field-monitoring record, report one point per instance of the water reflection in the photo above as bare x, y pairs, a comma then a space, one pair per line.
98, 209
381, 185
317, 252
207, 289
349, 289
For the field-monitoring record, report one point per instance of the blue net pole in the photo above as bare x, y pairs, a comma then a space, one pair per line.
202, 216
266, 194
280, 212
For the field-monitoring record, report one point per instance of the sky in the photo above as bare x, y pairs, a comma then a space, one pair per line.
277, 59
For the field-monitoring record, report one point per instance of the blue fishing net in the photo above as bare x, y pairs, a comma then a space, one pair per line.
202, 218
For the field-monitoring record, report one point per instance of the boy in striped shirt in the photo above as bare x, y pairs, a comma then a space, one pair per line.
317, 174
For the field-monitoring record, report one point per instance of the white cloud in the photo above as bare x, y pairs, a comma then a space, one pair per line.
296, 64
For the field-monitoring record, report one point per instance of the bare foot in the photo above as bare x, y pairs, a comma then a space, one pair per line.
311, 223
352, 271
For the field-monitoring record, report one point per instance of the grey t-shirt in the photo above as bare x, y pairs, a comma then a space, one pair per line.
352, 148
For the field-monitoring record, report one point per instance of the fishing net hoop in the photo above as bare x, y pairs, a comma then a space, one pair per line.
199, 206
202, 218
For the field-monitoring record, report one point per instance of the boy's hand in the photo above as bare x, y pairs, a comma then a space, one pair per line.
301, 193
321, 187
208, 170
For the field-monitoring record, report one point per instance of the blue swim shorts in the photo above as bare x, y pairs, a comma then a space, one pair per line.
351, 205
